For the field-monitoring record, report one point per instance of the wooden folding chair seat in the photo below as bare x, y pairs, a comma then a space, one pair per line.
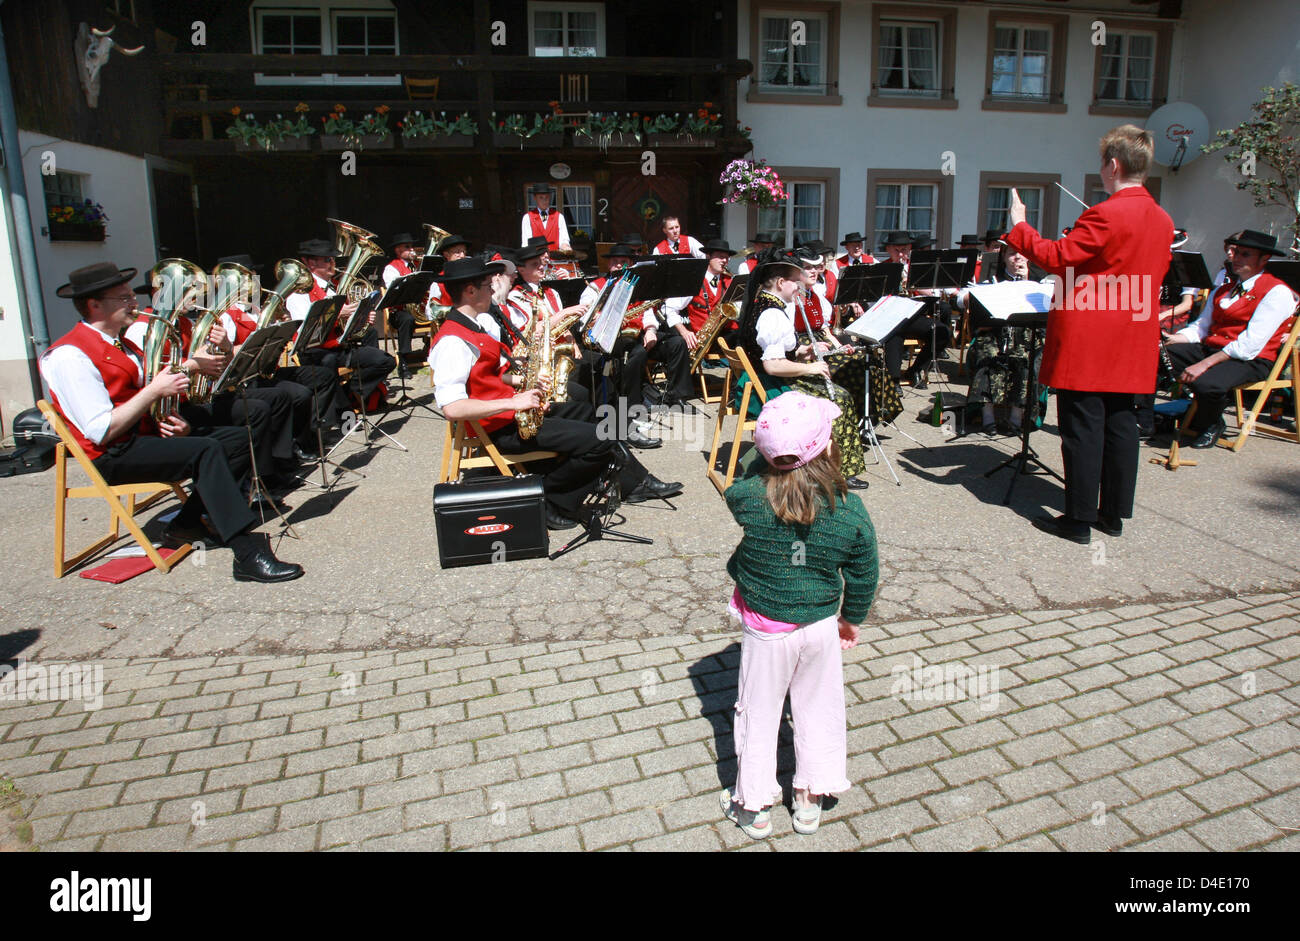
466, 445
1248, 421
120, 515
738, 366
711, 357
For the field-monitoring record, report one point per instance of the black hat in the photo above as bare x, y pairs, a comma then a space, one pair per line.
94, 278
318, 248
921, 241
535, 240
502, 255
632, 239
529, 252
621, 251
767, 238
969, 241
449, 241
853, 237
897, 238
1249, 238
716, 245
816, 246
992, 235
401, 238
469, 268
807, 256
773, 259
538, 188
245, 260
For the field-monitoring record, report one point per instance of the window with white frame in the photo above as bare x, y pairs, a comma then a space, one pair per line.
566, 29
801, 218
577, 201
1022, 61
909, 58
1128, 69
351, 27
63, 189
910, 208
999, 204
792, 52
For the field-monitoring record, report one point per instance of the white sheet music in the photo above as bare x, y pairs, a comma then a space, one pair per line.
610, 319
883, 317
1006, 298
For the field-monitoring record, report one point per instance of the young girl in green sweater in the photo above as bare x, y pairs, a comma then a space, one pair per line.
805, 573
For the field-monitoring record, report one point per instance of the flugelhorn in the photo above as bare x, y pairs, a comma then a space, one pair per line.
176, 284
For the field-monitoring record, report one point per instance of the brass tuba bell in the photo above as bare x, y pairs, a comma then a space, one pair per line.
292, 278
359, 246
176, 284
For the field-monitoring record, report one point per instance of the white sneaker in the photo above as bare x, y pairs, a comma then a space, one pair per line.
757, 824
806, 817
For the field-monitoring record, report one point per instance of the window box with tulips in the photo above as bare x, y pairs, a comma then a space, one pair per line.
342, 133
608, 130
280, 134
515, 130
422, 131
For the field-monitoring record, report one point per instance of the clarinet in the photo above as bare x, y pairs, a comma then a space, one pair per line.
821, 357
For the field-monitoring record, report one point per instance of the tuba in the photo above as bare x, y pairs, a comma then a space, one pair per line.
436, 235
358, 245
718, 317
293, 278
229, 281
176, 284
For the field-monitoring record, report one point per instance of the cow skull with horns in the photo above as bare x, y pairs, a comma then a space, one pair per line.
93, 48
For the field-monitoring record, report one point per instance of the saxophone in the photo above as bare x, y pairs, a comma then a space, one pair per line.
540, 354
720, 315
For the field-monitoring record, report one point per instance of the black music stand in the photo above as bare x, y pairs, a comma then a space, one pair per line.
666, 276
258, 355
1286, 270
949, 269
600, 505
569, 289
318, 324
410, 289
1020, 461
1187, 270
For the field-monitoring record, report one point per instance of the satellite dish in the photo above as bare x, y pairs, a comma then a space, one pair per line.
1180, 128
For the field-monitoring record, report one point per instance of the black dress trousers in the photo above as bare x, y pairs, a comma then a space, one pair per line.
1099, 443
1214, 386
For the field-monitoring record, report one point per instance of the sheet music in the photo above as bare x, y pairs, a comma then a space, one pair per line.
1005, 298
883, 317
610, 319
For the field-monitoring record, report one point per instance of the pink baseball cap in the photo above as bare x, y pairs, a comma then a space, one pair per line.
794, 425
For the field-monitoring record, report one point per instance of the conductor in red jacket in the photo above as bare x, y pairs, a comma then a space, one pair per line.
1102, 333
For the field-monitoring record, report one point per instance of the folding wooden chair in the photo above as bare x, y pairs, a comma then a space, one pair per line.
1173, 460
719, 357
120, 515
466, 445
1248, 421
738, 367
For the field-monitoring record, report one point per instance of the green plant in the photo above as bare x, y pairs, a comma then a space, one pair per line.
605, 124
375, 123
661, 123
418, 124
703, 122
88, 213
1267, 142
250, 131
518, 125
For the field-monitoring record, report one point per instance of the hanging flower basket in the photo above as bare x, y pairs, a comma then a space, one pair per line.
754, 184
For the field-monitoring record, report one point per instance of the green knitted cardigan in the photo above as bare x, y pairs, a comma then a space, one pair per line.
798, 574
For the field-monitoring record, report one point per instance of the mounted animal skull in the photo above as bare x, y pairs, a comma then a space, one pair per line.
93, 48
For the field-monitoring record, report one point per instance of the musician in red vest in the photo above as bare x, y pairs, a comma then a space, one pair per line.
543, 220
400, 319
853, 253
760, 243
370, 363
96, 382
1101, 342
1238, 335
676, 242
716, 281
313, 390
468, 374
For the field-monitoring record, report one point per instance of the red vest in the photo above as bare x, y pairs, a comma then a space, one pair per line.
831, 282
808, 313
703, 302
245, 324
683, 246
551, 229
844, 261
119, 372
485, 382
318, 293
747, 266
401, 267
1227, 323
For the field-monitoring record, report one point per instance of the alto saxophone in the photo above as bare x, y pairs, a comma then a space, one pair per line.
539, 368
720, 315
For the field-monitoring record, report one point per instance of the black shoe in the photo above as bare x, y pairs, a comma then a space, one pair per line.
261, 566
304, 456
1146, 432
1210, 436
268, 503
178, 535
1066, 528
857, 483
990, 430
638, 440
555, 520
1005, 427
652, 488
402, 372
1109, 526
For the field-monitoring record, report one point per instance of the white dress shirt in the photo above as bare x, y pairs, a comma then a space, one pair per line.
299, 304
775, 329
1273, 310
696, 249
79, 386
526, 228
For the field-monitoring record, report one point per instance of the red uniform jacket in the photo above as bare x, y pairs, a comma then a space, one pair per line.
683, 246
119, 372
1104, 334
845, 261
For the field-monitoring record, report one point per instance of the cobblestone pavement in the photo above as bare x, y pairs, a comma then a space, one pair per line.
1159, 726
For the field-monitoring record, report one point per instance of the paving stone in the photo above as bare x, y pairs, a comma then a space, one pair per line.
968, 801
981, 764
889, 823
1094, 703
1271, 739
1155, 743
1234, 831
910, 754
1219, 756
1035, 748
1211, 726
622, 828
1228, 790
1097, 730
1089, 837
1043, 691
275, 793
1175, 841
601, 775
1029, 782
110, 819
1096, 762
961, 836
700, 839
1158, 814
903, 786
981, 734
1153, 713
1276, 774
552, 841
1022, 819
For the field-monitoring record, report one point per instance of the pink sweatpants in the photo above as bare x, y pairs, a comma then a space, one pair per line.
807, 663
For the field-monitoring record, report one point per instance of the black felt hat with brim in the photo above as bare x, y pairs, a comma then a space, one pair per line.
1260, 241
775, 262
898, 239
451, 241
469, 268
853, 237
94, 278
529, 252
716, 245
401, 238
621, 251
317, 248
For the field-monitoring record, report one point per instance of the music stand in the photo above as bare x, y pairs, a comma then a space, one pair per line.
1020, 461
258, 354
1285, 270
317, 325
600, 505
945, 270
569, 289
410, 289
668, 276
1187, 270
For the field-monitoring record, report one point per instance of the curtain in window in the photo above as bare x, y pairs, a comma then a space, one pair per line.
807, 57
920, 208
807, 199
887, 209
582, 33
775, 53
548, 32
891, 57
1141, 54
1112, 67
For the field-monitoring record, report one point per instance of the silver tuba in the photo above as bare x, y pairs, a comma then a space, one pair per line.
176, 284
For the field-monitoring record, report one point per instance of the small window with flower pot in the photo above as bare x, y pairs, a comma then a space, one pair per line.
70, 216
